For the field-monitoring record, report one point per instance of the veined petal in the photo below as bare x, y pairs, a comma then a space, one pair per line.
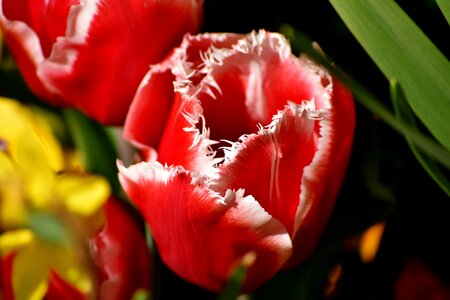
200, 234
269, 165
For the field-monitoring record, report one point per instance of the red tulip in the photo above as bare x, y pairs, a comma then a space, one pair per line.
92, 54
284, 127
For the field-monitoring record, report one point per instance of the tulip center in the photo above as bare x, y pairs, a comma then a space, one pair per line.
251, 90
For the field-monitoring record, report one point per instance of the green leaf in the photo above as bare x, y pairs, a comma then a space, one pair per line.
366, 99
401, 50
97, 150
236, 280
404, 112
444, 5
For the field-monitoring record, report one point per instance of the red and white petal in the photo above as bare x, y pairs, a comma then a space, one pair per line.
251, 82
323, 177
200, 234
270, 165
150, 109
245, 84
152, 103
29, 36
144, 32
186, 140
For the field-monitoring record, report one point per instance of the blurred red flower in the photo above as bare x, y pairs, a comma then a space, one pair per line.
92, 54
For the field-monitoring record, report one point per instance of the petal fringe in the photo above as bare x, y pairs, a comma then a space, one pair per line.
200, 234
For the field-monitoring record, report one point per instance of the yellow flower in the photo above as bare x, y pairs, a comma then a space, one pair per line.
44, 208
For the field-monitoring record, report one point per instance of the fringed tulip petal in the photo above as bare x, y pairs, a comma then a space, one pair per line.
200, 234
154, 101
246, 115
270, 164
323, 177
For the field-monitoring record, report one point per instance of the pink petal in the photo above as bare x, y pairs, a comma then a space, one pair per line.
200, 234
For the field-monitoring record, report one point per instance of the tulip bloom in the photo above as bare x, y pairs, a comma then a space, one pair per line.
252, 145
92, 54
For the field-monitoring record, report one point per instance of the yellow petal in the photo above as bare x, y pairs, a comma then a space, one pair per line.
12, 119
13, 240
17, 122
12, 202
37, 174
50, 145
82, 195
32, 146
30, 274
